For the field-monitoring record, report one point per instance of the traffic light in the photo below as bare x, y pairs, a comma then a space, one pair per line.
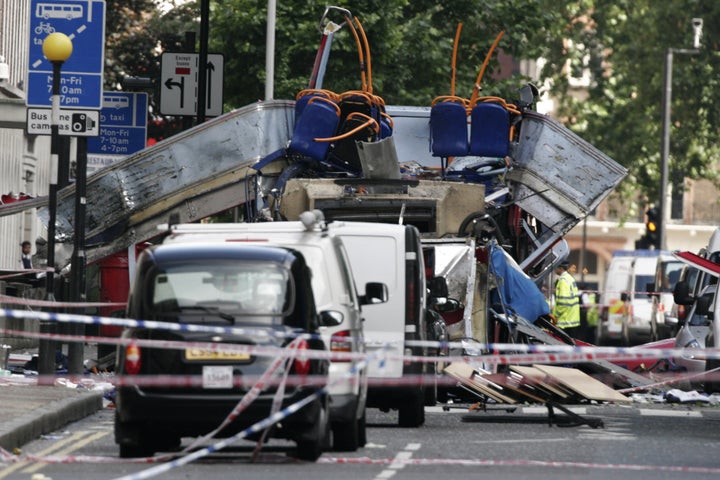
652, 228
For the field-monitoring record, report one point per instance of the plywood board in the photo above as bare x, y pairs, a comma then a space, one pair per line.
541, 380
467, 375
583, 384
514, 387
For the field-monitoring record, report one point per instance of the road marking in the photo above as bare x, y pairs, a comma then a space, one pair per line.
52, 448
523, 440
668, 413
544, 410
71, 448
399, 462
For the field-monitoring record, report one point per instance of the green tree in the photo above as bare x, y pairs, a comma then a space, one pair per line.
623, 44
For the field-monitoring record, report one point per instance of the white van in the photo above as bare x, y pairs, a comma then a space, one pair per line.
393, 254
667, 274
334, 290
637, 324
614, 298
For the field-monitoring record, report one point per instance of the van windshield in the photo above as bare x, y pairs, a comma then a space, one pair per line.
221, 290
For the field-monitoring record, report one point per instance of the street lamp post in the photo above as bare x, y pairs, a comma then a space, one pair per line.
57, 48
667, 101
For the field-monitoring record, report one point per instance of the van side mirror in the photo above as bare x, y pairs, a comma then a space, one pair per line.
624, 296
681, 293
650, 288
375, 292
330, 318
438, 287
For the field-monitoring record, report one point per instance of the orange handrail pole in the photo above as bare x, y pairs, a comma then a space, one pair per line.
477, 88
361, 57
454, 59
367, 55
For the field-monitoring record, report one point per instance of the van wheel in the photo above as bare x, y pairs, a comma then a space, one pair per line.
362, 431
412, 413
346, 436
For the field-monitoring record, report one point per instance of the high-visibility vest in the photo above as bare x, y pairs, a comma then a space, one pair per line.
567, 302
592, 310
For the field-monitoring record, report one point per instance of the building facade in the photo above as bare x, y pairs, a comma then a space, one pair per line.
24, 159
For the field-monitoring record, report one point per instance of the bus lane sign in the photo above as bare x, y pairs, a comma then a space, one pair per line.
81, 75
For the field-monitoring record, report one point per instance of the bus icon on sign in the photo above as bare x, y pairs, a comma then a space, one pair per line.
58, 10
115, 101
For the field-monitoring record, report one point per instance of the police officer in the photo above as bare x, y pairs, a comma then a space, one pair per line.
567, 301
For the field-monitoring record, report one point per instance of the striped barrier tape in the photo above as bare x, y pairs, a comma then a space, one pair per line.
520, 353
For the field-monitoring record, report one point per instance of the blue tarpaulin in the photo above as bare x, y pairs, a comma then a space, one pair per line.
518, 292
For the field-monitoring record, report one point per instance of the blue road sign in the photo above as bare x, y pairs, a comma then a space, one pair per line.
123, 124
81, 78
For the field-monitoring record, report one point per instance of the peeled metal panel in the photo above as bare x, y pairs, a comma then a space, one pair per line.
557, 176
182, 163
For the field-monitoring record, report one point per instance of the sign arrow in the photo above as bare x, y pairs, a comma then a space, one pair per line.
181, 85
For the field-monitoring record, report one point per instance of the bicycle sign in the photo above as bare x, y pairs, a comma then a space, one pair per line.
44, 28
81, 77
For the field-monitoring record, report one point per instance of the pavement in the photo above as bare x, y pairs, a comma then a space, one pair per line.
29, 410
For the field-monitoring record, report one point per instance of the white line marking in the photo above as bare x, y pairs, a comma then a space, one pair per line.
543, 410
667, 413
413, 446
523, 440
402, 456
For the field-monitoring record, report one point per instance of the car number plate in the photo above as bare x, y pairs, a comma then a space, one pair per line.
201, 354
217, 376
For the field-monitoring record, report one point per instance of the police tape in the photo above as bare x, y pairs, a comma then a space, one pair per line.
520, 353
555, 353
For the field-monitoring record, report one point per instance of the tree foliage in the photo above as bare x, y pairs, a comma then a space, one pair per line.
624, 45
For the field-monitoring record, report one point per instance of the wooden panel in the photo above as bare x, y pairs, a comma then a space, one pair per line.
583, 384
539, 379
467, 375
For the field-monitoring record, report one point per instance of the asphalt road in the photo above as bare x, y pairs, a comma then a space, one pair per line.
651, 442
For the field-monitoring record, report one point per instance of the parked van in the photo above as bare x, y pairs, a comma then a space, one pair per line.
614, 298
394, 254
335, 290
636, 327
667, 274
627, 304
